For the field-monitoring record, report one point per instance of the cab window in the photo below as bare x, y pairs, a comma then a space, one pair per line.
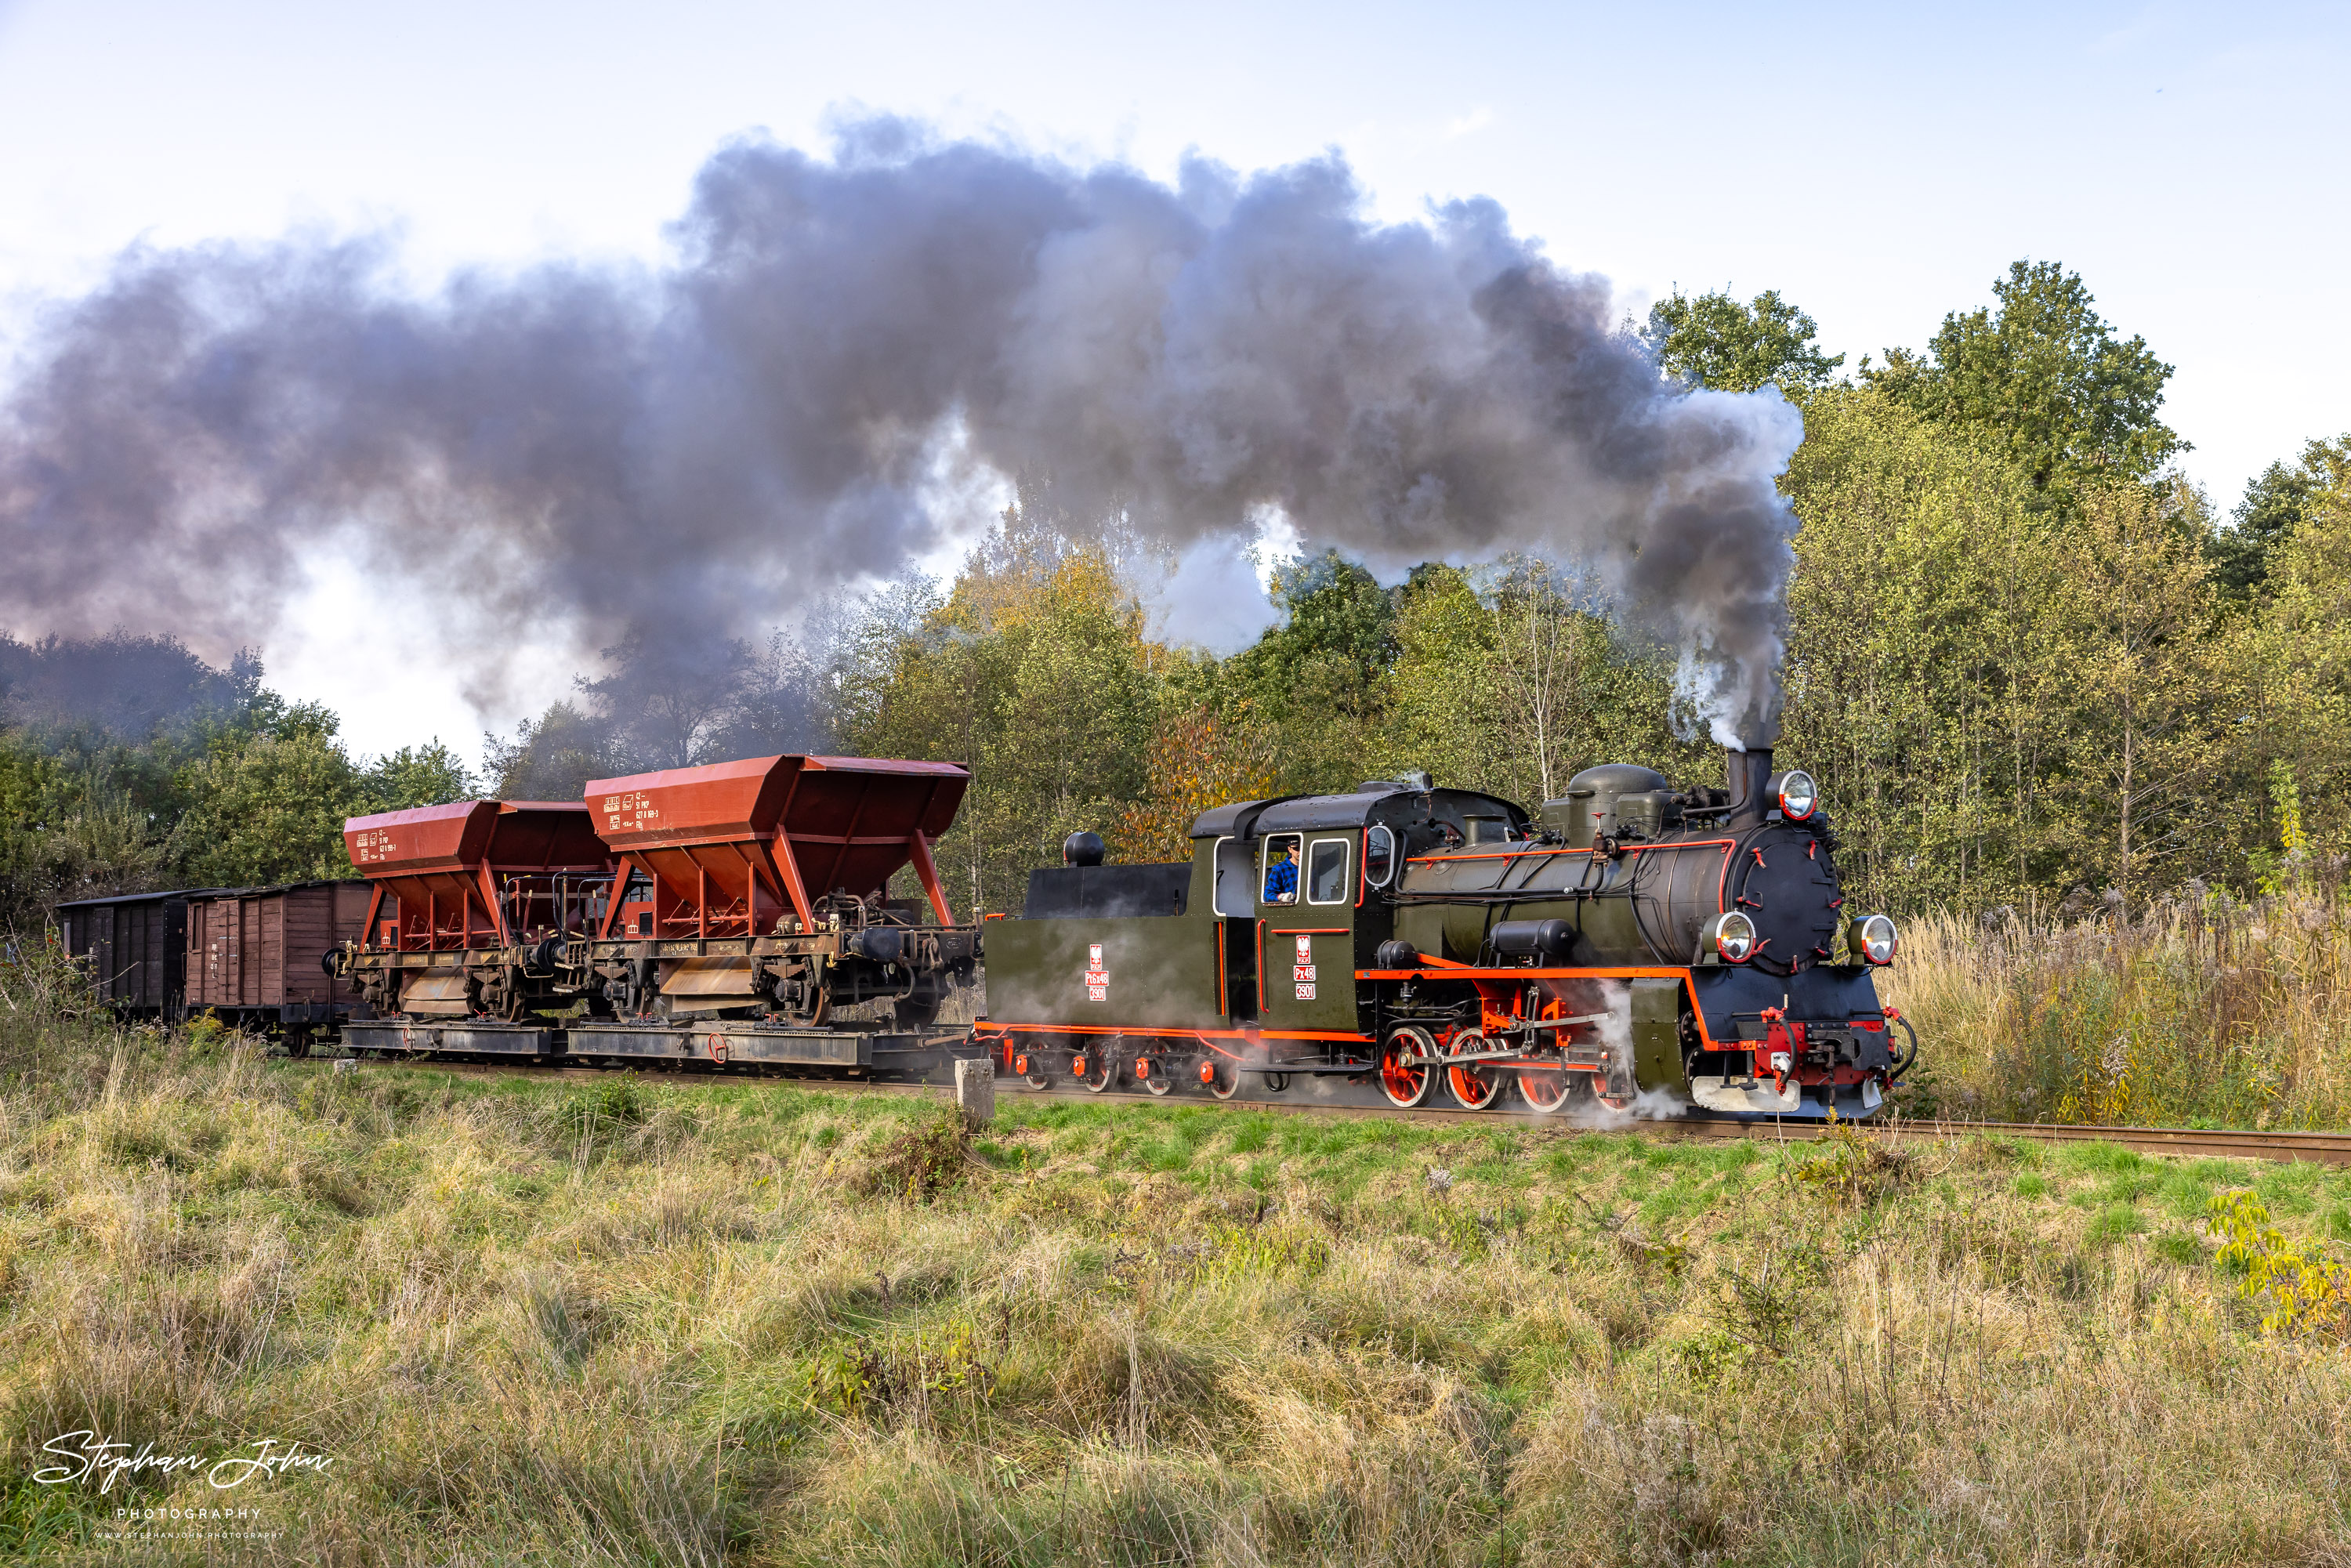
1326, 871
1379, 855
1278, 876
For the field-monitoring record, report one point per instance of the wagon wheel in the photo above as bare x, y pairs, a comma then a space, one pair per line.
1476, 1084
913, 1012
1152, 1074
803, 1000
1406, 1072
1223, 1078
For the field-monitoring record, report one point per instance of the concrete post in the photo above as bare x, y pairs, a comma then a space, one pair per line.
974, 1084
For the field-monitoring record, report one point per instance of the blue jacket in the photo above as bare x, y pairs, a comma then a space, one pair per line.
1282, 879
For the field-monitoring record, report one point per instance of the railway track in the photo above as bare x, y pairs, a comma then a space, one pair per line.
2318, 1148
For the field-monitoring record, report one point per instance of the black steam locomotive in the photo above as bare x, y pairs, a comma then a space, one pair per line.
1630, 940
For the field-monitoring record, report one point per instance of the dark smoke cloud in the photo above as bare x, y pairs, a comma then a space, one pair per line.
694, 451
120, 687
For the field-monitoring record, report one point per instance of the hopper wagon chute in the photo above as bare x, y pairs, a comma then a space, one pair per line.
753, 917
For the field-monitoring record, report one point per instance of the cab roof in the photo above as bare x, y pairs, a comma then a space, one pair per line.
1308, 813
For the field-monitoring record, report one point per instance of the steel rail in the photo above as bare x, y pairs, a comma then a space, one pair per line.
2318, 1148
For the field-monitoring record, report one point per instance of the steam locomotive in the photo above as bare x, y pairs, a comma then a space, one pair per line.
1631, 940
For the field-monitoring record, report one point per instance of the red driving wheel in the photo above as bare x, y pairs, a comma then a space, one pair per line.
1407, 1067
1476, 1084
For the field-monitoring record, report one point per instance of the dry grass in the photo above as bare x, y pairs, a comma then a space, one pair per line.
2206, 1013
689, 1324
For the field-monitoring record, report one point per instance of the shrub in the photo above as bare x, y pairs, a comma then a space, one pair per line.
2306, 1294
922, 1162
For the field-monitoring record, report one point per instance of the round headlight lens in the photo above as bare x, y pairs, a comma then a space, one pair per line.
1872, 940
1733, 936
1798, 795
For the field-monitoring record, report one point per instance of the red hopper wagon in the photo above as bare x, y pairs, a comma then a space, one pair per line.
754, 922
738, 911
471, 909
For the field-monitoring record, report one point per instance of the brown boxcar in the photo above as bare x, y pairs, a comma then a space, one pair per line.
136, 946
255, 956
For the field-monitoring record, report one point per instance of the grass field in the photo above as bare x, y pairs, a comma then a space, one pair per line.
2205, 1014
634, 1322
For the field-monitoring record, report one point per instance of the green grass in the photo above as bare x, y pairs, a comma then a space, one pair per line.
678, 1321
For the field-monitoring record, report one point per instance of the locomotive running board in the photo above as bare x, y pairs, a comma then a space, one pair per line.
418, 1035
1753, 1097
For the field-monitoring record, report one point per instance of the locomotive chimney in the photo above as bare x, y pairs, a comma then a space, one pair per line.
1747, 773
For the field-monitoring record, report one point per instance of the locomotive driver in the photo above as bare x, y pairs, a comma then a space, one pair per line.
1281, 877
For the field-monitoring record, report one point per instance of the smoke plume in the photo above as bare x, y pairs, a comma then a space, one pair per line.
119, 687
695, 450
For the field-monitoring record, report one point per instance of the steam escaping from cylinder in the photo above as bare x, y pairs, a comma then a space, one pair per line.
1616, 1035
840, 348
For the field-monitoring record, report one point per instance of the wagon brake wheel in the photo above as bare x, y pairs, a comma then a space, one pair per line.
1406, 1072
1476, 1084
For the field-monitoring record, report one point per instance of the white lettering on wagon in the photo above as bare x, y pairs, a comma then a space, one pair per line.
624, 813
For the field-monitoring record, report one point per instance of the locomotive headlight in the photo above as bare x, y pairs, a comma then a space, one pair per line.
1732, 935
1794, 793
1872, 940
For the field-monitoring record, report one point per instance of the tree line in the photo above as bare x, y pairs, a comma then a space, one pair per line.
2031, 664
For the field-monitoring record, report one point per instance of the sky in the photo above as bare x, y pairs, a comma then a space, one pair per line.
1879, 166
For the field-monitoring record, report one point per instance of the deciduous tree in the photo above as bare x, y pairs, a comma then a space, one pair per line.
2046, 381
1713, 340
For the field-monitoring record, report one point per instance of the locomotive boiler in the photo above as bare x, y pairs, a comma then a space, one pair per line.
1631, 938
